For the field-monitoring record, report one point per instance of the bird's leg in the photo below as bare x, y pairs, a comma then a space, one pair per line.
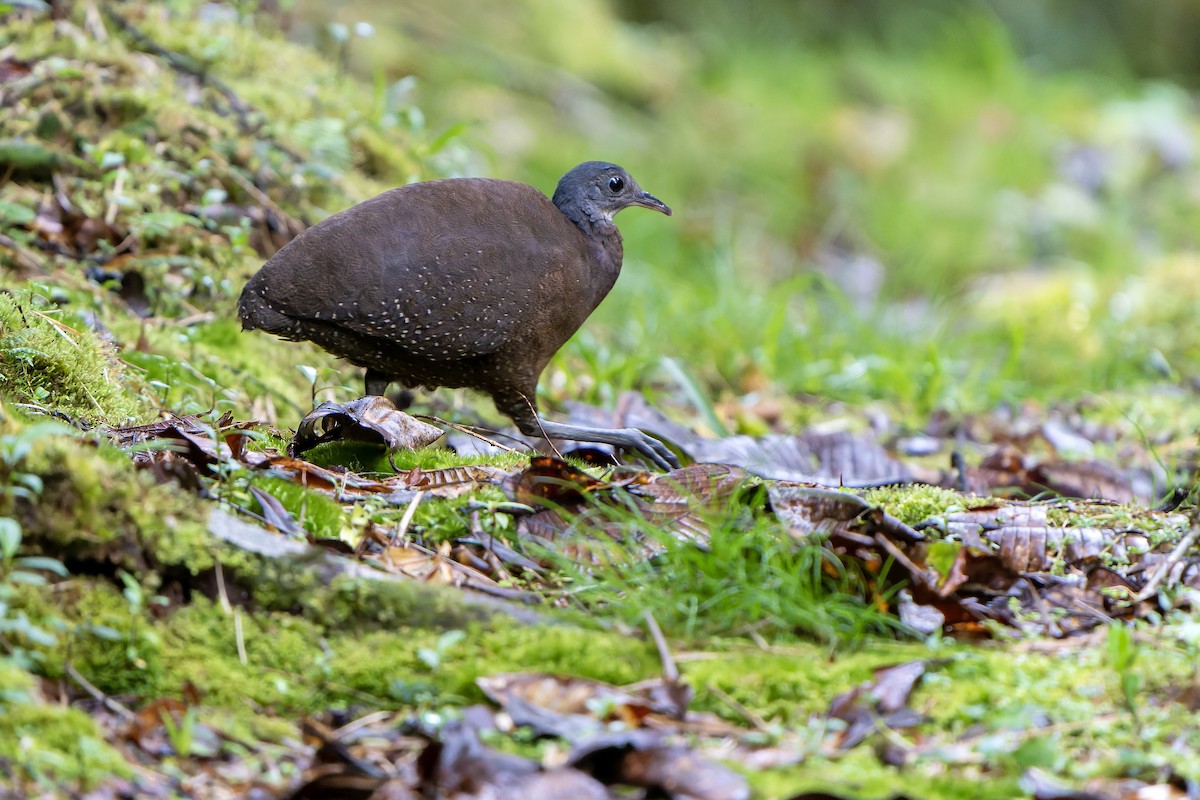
530, 423
377, 382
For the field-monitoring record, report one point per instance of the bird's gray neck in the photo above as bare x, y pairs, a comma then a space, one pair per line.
590, 219
598, 227
603, 238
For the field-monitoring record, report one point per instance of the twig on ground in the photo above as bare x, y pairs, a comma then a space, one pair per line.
294, 226
239, 636
228, 608
405, 520
538, 420
1176, 556
466, 430
90, 688
225, 605
670, 671
754, 719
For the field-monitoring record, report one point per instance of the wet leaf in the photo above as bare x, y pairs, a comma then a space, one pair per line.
274, 513
832, 459
879, 702
549, 479
644, 759
561, 706
339, 484
450, 481
809, 511
369, 419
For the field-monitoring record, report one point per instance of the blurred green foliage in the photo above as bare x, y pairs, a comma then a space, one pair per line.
941, 205
1122, 37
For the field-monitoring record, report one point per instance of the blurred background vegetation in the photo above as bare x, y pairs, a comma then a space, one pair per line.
940, 205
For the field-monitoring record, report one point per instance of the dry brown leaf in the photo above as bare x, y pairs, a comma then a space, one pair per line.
561, 705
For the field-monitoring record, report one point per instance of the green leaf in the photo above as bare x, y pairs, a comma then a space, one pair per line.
160, 224
27, 578
29, 480
1122, 651
45, 564
110, 160
449, 639
10, 537
106, 633
1040, 751
447, 136
15, 213
942, 556
429, 657
25, 154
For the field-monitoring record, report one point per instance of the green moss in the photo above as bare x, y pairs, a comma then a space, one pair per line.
51, 359
285, 655
915, 504
296, 665
16, 685
216, 365
790, 682
96, 506
860, 774
99, 631
362, 458
54, 745
369, 458
98, 510
431, 458
102, 634
445, 520
395, 664
1159, 527
347, 601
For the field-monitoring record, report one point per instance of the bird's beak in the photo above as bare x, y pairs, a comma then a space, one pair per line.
647, 200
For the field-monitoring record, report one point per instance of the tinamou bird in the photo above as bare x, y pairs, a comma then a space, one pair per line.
466, 282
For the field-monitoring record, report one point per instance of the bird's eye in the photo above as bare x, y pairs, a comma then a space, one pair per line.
616, 184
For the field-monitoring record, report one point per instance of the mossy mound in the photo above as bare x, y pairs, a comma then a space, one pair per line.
52, 360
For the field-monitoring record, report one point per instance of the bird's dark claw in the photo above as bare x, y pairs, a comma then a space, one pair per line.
651, 449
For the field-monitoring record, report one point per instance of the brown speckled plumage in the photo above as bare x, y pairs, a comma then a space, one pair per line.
466, 282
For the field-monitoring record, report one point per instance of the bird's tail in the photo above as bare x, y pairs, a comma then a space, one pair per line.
256, 313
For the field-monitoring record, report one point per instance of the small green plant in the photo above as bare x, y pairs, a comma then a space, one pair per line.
1123, 653
432, 656
182, 733
20, 635
136, 596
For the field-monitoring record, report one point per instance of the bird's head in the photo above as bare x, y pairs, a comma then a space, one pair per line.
599, 190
